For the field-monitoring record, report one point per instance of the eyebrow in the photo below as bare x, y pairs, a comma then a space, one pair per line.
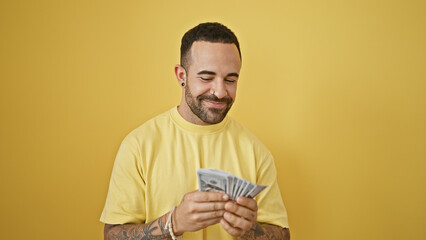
213, 73
233, 75
206, 72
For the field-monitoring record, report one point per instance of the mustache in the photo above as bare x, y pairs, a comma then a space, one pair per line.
214, 98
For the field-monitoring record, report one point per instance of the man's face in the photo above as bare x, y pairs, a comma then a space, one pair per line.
212, 77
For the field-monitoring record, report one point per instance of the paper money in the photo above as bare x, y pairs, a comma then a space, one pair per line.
214, 180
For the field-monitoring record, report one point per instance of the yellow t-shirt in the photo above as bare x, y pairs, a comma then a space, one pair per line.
157, 163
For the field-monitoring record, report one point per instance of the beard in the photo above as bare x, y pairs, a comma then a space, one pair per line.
207, 115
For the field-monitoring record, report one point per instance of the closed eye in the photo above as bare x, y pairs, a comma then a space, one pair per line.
206, 78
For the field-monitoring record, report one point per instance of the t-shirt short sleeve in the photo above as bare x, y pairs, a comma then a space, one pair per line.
271, 209
125, 201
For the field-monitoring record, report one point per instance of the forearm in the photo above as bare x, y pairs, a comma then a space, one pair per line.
153, 230
266, 231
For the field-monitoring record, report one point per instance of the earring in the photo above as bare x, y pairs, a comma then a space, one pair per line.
182, 84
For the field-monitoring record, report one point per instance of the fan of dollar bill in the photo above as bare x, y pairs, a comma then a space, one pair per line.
214, 180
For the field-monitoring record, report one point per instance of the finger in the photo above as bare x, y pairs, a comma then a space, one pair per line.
241, 211
235, 232
212, 221
204, 216
237, 221
206, 197
247, 202
206, 223
207, 206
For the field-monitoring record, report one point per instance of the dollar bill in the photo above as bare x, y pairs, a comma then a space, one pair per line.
211, 182
215, 180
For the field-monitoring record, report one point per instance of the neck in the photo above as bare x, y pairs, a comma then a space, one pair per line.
188, 115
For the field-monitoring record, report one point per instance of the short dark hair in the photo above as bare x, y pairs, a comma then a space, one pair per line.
209, 32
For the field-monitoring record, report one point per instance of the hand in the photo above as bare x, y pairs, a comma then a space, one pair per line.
198, 210
239, 216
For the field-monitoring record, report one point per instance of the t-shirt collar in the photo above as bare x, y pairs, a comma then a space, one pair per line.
181, 122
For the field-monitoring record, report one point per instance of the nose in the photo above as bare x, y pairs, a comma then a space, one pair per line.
219, 88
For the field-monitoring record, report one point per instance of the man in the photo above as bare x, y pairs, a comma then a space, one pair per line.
155, 168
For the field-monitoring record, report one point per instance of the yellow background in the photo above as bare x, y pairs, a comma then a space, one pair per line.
335, 89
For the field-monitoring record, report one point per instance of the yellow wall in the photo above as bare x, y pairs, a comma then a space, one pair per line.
335, 89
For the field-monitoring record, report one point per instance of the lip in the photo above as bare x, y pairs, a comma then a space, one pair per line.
214, 104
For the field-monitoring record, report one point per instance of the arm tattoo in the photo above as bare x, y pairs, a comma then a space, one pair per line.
153, 230
267, 231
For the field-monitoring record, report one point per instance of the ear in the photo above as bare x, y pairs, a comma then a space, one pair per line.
180, 73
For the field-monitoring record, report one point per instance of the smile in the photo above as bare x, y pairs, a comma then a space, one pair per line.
214, 104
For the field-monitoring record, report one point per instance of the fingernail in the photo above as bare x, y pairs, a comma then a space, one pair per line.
225, 197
